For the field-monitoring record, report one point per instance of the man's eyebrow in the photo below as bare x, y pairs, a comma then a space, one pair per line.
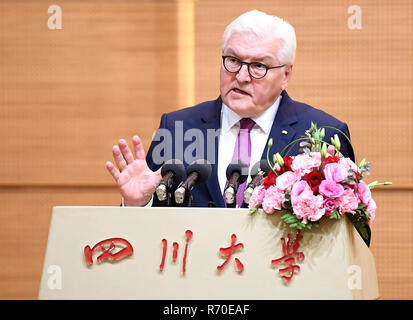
266, 59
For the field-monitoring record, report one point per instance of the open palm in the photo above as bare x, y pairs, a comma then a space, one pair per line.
136, 181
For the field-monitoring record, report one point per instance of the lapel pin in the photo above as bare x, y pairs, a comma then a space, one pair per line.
284, 132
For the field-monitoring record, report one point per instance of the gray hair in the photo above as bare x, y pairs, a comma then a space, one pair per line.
262, 24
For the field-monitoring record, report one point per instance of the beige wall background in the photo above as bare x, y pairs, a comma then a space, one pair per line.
66, 96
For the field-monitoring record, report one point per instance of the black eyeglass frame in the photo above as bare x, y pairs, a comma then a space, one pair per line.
248, 66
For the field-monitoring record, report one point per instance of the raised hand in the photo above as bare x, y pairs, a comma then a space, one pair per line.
136, 181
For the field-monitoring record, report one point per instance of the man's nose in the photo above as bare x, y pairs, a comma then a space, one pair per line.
243, 74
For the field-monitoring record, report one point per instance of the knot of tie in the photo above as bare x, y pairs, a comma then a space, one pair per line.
246, 124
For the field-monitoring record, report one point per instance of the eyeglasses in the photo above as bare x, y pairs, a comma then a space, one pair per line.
256, 70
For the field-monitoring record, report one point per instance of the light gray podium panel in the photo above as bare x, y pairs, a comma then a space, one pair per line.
336, 264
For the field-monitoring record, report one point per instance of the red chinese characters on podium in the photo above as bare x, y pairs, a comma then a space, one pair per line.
108, 252
175, 245
290, 253
228, 253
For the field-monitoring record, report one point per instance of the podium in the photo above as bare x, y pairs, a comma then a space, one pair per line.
185, 254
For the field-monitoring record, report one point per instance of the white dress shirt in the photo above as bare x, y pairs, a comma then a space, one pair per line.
229, 133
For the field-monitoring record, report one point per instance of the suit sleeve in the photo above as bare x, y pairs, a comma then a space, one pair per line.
157, 139
150, 156
346, 146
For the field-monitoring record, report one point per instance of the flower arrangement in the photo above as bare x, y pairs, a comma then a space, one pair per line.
320, 182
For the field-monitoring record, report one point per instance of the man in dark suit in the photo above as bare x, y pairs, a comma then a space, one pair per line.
258, 52
292, 120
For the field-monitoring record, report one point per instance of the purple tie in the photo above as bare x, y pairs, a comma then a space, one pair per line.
242, 151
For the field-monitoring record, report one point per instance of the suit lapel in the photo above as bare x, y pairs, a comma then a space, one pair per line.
282, 132
212, 121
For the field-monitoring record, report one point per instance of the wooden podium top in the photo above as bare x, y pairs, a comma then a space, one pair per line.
333, 261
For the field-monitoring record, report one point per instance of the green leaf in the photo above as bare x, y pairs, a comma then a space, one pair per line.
335, 215
252, 211
291, 220
285, 216
361, 206
304, 225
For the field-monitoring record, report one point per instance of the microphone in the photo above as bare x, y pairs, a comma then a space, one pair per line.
258, 171
237, 173
172, 172
198, 172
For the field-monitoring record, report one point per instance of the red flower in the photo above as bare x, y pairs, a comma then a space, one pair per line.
287, 163
332, 159
314, 179
270, 179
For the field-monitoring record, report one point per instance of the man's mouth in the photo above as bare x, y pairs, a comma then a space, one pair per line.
239, 91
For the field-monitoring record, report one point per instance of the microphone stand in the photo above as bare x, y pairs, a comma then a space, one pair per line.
231, 191
183, 197
167, 198
256, 181
163, 192
198, 172
183, 194
172, 171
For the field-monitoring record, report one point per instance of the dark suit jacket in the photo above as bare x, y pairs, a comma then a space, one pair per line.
292, 116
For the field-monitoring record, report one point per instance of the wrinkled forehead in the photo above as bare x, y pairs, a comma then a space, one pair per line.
250, 46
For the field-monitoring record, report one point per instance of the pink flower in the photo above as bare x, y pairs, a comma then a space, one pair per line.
330, 204
330, 151
316, 155
298, 188
364, 193
277, 167
335, 172
303, 164
348, 202
286, 179
307, 206
273, 199
330, 189
257, 197
371, 209
348, 164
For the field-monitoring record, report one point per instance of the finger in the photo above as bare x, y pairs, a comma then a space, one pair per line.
158, 173
112, 170
124, 148
138, 148
156, 178
119, 160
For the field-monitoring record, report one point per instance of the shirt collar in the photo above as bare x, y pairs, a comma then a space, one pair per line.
264, 120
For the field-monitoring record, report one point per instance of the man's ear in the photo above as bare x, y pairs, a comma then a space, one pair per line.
287, 76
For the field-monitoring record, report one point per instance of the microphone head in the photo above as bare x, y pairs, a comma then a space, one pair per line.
240, 167
260, 166
176, 166
202, 167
